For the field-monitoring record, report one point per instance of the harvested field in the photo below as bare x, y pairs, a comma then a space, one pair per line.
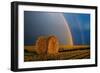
65, 53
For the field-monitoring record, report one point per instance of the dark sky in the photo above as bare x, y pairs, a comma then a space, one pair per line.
80, 27
45, 23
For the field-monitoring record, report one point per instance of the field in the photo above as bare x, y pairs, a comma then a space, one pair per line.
65, 53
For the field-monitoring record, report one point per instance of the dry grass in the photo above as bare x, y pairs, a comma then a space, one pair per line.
32, 48
65, 53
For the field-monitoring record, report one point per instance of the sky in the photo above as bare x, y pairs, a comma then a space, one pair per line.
51, 23
80, 27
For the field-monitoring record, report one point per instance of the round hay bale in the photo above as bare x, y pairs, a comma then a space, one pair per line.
41, 45
53, 45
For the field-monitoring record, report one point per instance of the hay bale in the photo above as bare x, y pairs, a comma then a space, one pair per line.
53, 45
41, 45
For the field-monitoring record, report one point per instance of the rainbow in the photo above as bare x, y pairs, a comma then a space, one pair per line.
69, 34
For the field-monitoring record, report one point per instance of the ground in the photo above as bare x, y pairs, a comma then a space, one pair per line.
65, 53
